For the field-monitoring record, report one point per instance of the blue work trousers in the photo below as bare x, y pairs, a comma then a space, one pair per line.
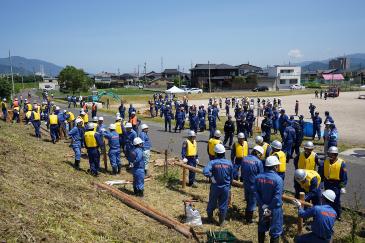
250, 197
337, 203
77, 150
212, 131
167, 123
287, 149
218, 196
54, 132
94, 160
37, 128
316, 131
236, 167
138, 179
114, 157
310, 237
5, 114
191, 162
273, 223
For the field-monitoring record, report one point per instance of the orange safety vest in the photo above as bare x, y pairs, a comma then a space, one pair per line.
93, 107
133, 121
15, 103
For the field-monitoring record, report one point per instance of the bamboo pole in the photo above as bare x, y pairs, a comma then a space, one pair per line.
300, 219
144, 208
184, 178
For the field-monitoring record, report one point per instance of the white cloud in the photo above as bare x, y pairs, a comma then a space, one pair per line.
295, 53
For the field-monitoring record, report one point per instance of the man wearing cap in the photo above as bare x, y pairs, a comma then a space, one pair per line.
334, 176
229, 129
266, 125
84, 116
201, 115
137, 162
131, 109
299, 135
212, 123
317, 121
53, 126
100, 124
16, 110
4, 109
193, 120
146, 146
259, 140
308, 181
250, 118
330, 136
134, 121
189, 154
283, 121
289, 137
324, 217
167, 113
93, 141
268, 189
212, 142
307, 159
35, 119
179, 119
278, 153
77, 141
220, 172
70, 120
94, 109
238, 152
129, 136
251, 167
114, 148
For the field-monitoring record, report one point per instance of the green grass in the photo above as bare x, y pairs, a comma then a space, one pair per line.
19, 86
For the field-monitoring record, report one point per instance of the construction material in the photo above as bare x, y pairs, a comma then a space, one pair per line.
122, 182
220, 236
147, 210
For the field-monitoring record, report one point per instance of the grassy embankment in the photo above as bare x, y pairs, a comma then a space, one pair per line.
45, 199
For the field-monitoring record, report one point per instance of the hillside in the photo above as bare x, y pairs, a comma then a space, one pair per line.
26, 66
357, 61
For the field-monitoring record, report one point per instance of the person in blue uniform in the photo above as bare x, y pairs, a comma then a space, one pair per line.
138, 167
308, 181
93, 141
179, 119
299, 135
167, 113
114, 148
250, 118
220, 172
201, 115
324, 217
189, 154
35, 119
317, 121
146, 147
333, 172
275, 120
129, 136
282, 119
268, 189
266, 125
251, 167
289, 137
77, 141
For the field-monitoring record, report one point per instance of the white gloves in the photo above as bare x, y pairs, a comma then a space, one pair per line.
264, 206
197, 161
343, 190
213, 180
185, 160
102, 130
297, 203
267, 211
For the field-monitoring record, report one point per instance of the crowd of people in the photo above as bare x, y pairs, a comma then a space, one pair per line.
261, 168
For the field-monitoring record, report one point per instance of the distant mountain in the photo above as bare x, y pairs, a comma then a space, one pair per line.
357, 61
27, 66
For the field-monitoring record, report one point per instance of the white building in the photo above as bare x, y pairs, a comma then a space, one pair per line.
49, 84
285, 76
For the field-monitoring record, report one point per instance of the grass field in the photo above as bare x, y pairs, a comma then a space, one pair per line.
45, 199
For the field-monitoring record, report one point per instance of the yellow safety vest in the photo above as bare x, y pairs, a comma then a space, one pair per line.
16, 108
118, 128
85, 118
28, 114
211, 144
264, 146
95, 127
307, 182
37, 116
191, 149
39, 109
332, 171
90, 140
53, 119
282, 159
30, 107
3, 105
72, 116
307, 163
241, 150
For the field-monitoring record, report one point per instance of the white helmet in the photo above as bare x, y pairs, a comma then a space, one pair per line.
217, 133
219, 149
118, 118
83, 113
57, 108
191, 133
144, 126
329, 195
241, 135
81, 110
259, 149
332, 150
271, 161
101, 118
137, 141
78, 120
117, 114
90, 126
133, 113
259, 140
112, 126
4, 99
64, 111
276, 144
309, 145
95, 119
300, 175
128, 125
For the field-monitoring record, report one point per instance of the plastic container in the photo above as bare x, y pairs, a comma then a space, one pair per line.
220, 236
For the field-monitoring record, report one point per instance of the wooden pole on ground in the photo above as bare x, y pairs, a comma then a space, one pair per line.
184, 178
300, 219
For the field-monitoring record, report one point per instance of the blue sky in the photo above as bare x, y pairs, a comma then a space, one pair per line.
106, 35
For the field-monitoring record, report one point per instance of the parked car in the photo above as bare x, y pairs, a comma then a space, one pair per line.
194, 91
296, 87
260, 88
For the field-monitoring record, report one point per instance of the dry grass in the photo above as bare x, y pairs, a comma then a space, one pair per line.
44, 199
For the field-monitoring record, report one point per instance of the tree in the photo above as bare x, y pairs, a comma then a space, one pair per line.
73, 79
5, 88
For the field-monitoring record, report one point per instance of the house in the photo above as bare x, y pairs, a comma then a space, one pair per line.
160, 82
245, 69
172, 74
103, 78
285, 76
221, 76
49, 83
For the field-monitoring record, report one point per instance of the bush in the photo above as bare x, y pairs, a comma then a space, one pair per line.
312, 85
5, 88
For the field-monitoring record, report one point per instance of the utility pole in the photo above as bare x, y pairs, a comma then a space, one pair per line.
145, 71
210, 86
12, 77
